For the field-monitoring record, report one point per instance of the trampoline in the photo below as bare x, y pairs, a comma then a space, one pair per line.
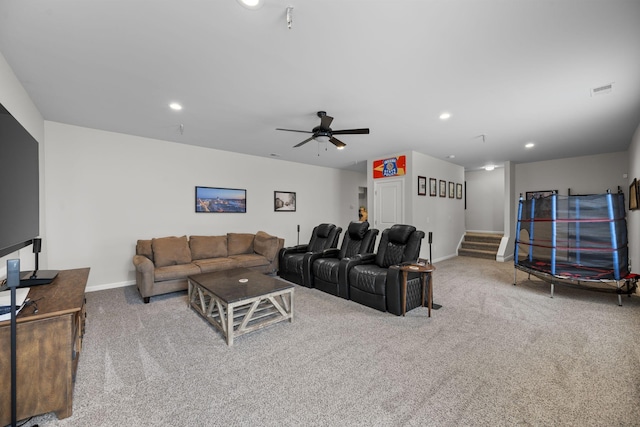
575, 240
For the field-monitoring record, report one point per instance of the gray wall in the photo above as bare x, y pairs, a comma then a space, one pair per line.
485, 200
633, 217
583, 175
105, 190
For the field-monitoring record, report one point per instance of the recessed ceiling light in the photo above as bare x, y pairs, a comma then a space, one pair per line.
451, 156
445, 116
489, 167
529, 145
251, 4
274, 155
341, 147
175, 106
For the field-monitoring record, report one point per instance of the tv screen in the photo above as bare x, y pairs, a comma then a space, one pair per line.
19, 185
213, 199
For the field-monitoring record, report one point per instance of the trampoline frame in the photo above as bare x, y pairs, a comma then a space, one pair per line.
551, 275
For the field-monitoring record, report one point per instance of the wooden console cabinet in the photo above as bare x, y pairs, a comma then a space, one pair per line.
48, 348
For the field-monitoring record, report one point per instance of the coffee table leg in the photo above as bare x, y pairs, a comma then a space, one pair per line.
229, 325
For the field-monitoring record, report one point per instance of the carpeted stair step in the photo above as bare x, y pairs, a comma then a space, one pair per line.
480, 245
477, 253
483, 237
483, 246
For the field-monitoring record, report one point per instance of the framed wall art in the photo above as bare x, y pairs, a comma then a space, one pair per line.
422, 186
221, 200
458, 191
538, 194
452, 190
433, 187
633, 195
284, 201
443, 188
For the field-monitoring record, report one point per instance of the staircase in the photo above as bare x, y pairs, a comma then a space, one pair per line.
480, 245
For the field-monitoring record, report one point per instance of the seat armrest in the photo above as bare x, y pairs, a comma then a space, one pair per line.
330, 253
307, 266
347, 264
394, 284
294, 249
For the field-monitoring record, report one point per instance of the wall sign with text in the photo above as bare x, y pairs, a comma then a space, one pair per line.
394, 166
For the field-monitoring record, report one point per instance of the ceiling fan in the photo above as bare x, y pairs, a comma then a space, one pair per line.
324, 133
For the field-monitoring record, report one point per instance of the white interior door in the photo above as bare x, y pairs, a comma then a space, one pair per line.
388, 203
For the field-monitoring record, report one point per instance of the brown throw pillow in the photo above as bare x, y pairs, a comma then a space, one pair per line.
205, 247
240, 243
143, 247
171, 251
266, 245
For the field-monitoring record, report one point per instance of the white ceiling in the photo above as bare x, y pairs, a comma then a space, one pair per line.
512, 70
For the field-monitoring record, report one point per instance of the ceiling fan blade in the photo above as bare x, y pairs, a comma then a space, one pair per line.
295, 130
337, 142
325, 122
351, 132
303, 142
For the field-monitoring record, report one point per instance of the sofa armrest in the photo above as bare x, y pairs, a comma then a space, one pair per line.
144, 275
143, 264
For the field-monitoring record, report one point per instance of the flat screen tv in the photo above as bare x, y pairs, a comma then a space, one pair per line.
221, 200
19, 185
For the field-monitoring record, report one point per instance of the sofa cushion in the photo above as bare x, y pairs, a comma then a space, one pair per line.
266, 245
143, 247
203, 247
216, 264
173, 272
249, 260
239, 243
171, 251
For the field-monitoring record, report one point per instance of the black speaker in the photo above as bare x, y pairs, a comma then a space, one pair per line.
37, 245
430, 237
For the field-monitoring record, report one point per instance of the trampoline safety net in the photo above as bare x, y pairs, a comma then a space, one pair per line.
579, 237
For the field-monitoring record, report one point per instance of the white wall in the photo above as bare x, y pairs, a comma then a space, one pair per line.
106, 190
633, 217
441, 215
583, 175
485, 201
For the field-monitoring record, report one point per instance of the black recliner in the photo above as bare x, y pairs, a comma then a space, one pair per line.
376, 280
323, 236
327, 270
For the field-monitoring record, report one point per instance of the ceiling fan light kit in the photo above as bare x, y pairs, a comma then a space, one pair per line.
324, 133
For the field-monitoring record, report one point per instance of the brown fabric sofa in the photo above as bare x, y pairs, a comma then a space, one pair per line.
163, 264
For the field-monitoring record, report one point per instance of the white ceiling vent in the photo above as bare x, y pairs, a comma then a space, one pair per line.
602, 90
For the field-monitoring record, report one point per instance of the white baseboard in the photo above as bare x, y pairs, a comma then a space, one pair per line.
110, 286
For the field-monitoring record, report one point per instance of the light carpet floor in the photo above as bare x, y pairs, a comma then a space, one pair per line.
494, 355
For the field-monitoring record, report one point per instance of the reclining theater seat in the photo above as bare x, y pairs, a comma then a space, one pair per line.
376, 281
324, 236
321, 270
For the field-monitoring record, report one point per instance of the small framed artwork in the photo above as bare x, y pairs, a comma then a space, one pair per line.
422, 186
284, 201
443, 188
633, 195
452, 190
458, 191
538, 194
433, 187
